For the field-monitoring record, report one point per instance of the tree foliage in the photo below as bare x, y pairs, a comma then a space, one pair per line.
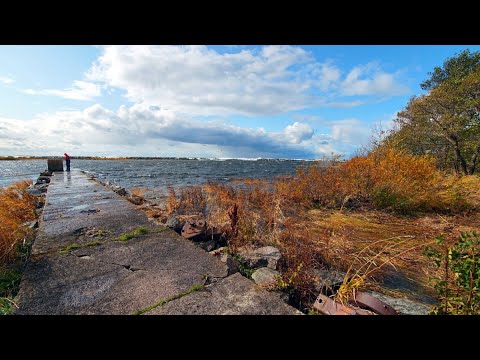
445, 122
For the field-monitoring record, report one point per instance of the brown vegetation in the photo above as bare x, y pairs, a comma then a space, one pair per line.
367, 216
17, 206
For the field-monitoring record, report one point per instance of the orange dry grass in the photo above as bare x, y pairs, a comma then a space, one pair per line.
330, 215
16, 207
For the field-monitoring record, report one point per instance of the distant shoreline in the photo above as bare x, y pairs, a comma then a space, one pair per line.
10, 158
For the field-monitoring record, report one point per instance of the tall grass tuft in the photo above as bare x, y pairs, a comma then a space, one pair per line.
17, 206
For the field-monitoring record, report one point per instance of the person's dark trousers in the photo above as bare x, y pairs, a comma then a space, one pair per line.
68, 164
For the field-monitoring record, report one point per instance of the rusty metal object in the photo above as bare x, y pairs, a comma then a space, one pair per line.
328, 306
365, 300
193, 228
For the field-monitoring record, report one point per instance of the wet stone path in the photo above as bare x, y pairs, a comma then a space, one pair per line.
95, 253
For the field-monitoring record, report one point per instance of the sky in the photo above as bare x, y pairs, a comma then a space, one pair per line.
235, 101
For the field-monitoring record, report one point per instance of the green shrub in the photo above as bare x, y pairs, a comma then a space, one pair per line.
459, 287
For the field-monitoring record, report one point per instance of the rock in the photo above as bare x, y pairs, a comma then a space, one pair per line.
32, 224
226, 258
43, 180
403, 306
173, 223
207, 245
40, 204
41, 187
266, 277
327, 281
35, 192
120, 190
264, 256
46, 173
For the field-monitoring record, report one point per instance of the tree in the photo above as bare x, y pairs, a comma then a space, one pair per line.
454, 69
447, 117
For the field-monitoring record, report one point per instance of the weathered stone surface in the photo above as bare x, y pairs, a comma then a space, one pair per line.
266, 277
403, 306
174, 223
260, 257
117, 277
35, 192
120, 190
112, 278
41, 187
42, 180
222, 254
326, 280
207, 245
234, 295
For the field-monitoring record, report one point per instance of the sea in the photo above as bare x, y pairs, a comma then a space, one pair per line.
158, 174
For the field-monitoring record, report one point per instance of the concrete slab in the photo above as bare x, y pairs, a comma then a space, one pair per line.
116, 277
234, 295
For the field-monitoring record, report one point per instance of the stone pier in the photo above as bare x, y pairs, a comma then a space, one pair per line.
96, 253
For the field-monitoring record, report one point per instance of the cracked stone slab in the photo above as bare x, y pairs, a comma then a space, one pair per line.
234, 295
114, 277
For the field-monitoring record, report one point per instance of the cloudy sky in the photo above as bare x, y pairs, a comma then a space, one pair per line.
205, 101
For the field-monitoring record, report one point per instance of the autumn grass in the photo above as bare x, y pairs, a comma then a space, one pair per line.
368, 216
17, 207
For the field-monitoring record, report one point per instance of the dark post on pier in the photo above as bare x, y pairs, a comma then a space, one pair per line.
55, 165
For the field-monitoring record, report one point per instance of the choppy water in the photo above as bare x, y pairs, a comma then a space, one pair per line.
159, 173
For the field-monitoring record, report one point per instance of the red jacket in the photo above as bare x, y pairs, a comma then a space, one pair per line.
67, 157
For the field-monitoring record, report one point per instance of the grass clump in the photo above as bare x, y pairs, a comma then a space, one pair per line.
17, 207
76, 246
137, 232
9, 282
194, 288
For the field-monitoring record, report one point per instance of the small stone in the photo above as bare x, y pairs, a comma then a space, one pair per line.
35, 192
46, 173
173, 223
207, 245
43, 180
120, 191
264, 256
327, 280
266, 277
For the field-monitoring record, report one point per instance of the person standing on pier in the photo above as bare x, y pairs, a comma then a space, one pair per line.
67, 161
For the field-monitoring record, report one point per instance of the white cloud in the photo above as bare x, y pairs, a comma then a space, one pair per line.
81, 90
298, 132
370, 79
198, 80
95, 129
7, 80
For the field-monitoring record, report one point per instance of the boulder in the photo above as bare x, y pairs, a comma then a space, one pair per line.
223, 255
266, 277
174, 223
264, 256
